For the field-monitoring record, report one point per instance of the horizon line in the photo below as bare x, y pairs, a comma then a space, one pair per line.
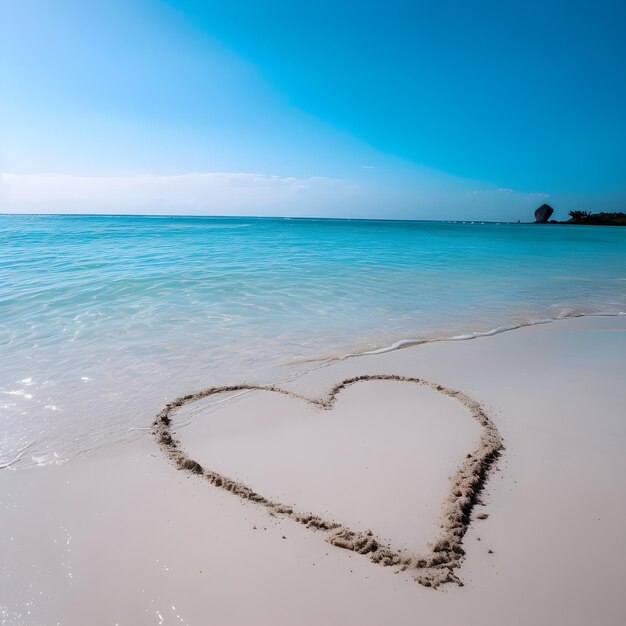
263, 217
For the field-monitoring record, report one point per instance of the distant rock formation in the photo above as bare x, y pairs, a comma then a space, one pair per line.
543, 214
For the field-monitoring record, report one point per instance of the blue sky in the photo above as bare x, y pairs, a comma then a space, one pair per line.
444, 110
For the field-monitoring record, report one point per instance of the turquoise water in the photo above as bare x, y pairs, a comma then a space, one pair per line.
103, 319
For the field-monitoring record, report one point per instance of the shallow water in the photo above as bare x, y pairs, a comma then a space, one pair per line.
103, 319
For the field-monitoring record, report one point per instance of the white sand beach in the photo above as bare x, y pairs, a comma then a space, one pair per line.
121, 536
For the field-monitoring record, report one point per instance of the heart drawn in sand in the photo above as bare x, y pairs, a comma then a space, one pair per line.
445, 551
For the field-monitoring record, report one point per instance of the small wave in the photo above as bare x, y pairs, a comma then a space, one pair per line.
18, 456
405, 343
410, 342
223, 226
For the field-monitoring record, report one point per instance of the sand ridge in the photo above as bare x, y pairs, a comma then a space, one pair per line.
445, 551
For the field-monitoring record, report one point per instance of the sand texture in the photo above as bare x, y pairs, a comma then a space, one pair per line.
120, 535
446, 550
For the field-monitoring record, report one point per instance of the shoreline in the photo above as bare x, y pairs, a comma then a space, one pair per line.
120, 533
408, 343
317, 362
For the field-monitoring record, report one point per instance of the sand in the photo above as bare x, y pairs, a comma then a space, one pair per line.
444, 553
122, 536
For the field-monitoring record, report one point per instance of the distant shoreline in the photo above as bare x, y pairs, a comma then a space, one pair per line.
585, 218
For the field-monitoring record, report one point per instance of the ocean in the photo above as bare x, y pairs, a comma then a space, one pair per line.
103, 319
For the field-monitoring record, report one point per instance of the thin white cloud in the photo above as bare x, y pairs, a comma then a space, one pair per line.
198, 192
240, 193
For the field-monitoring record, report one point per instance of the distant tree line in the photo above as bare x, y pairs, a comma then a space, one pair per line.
602, 218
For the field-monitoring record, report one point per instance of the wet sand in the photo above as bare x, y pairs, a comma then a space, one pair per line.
122, 536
